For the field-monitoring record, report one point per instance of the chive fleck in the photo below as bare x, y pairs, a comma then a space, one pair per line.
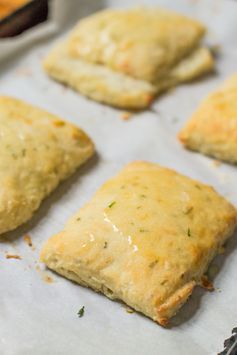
143, 230
105, 245
189, 232
111, 204
81, 312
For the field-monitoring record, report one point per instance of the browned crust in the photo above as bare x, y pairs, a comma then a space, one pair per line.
170, 307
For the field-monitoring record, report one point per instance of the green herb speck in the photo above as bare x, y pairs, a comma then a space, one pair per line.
81, 312
142, 230
189, 232
112, 204
105, 245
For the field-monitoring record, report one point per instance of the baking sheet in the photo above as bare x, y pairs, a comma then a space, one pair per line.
39, 317
61, 15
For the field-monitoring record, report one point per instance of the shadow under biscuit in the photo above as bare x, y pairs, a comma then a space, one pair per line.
194, 303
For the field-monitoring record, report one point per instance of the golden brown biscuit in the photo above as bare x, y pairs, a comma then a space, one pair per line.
38, 150
141, 42
212, 129
126, 57
146, 238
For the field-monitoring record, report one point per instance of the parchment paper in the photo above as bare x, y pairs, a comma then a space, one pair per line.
39, 317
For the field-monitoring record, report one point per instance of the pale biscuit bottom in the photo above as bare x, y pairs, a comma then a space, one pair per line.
102, 84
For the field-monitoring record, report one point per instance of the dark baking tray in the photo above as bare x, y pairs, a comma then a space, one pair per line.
27, 16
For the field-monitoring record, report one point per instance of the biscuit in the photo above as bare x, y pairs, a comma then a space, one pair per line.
146, 238
38, 150
125, 58
212, 129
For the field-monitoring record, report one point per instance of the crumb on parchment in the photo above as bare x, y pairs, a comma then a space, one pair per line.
206, 283
48, 279
28, 240
216, 163
129, 310
13, 256
126, 115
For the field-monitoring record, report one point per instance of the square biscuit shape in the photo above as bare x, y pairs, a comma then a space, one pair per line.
38, 150
146, 238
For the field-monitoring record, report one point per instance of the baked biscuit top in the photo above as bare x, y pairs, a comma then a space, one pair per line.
141, 42
146, 237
